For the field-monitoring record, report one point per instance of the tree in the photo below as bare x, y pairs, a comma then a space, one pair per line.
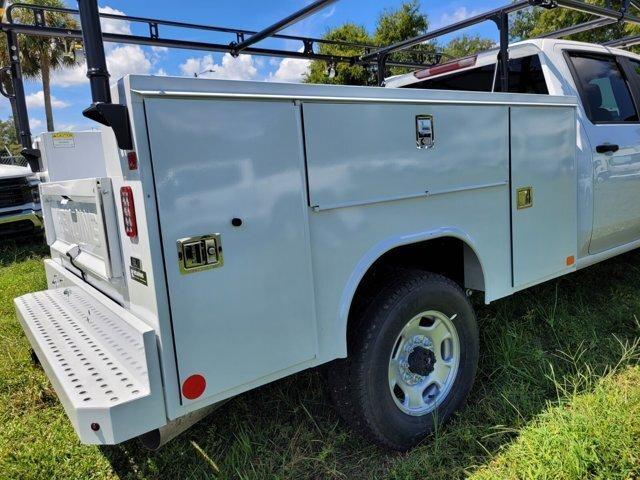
8, 138
466, 45
41, 55
397, 25
345, 74
531, 23
6, 79
393, 26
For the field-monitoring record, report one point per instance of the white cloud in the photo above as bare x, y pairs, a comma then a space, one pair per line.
329, 13
290, 70
459, 14
36, 100
161, 72
121, 60
111, 25
240, 68
127, 59
66, 77
35, 123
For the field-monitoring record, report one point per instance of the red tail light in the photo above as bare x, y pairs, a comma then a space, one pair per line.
446, 68
129, 212
132, 160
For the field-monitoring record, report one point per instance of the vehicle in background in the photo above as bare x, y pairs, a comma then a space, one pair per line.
20, 211
64, 156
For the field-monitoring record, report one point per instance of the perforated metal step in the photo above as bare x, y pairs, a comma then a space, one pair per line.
98, 359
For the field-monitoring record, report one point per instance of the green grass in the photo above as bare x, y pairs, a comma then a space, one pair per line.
557, 396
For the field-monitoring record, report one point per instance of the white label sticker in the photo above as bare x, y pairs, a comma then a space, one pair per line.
63, 140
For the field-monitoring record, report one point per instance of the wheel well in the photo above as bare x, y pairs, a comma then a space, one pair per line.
447, 256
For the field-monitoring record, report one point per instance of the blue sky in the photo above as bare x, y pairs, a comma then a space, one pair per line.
71, 90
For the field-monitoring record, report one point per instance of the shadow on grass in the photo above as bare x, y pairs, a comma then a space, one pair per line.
529, 342
14, 250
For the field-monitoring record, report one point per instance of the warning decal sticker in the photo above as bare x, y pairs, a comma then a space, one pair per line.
63, 140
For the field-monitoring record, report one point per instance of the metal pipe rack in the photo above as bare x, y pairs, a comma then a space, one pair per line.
375, 57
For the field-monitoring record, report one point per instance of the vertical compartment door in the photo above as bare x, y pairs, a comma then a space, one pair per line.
544, 193
232, 207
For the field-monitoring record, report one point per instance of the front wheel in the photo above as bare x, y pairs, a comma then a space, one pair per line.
413, 354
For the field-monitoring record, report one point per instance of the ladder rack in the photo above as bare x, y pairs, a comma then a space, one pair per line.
375, 57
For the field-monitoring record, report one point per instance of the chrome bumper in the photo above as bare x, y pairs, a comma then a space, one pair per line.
33, 216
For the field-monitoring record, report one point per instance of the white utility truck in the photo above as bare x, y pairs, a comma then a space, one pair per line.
253, 230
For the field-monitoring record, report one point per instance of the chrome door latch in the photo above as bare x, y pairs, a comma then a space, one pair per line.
199, 253
425, 132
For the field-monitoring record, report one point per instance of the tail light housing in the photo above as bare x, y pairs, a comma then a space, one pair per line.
129, 212
132, 160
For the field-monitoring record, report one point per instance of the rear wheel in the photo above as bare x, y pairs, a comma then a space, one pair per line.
413, 355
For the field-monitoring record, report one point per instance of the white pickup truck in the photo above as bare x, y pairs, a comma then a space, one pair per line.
20, 212
257, 230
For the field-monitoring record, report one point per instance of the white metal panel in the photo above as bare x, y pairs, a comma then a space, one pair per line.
365, 153
172, 87
71, 155
214, 161
543, 157
357, 236
80, 224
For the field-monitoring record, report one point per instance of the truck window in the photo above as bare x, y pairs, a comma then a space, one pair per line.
525, 76
475, 80
635, 64
603, 88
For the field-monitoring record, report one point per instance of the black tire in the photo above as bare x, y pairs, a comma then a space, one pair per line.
359, 384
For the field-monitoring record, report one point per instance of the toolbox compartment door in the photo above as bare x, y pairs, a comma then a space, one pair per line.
232, 171
543, 167
367, 152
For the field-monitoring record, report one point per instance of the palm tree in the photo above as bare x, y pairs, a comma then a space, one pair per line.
41, 55
6, 79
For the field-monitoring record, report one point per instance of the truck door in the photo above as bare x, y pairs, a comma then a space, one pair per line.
609, 96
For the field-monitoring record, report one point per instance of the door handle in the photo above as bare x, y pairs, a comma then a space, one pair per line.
607, 148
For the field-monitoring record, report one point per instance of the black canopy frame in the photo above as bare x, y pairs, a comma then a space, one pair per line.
378, 58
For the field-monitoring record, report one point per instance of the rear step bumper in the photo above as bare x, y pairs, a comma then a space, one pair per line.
102, 361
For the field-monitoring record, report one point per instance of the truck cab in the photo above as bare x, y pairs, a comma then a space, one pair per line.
607, 83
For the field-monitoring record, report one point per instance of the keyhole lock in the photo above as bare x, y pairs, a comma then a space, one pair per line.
199, 253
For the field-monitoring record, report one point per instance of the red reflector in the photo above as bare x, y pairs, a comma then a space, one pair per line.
193, 387
446, 68
132, 158
128, 212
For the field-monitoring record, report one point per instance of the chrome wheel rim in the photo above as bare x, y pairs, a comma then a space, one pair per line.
424, 362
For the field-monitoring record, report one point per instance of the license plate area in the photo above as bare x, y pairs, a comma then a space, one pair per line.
81, 225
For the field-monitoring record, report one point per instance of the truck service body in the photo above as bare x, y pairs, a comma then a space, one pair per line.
256, 230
